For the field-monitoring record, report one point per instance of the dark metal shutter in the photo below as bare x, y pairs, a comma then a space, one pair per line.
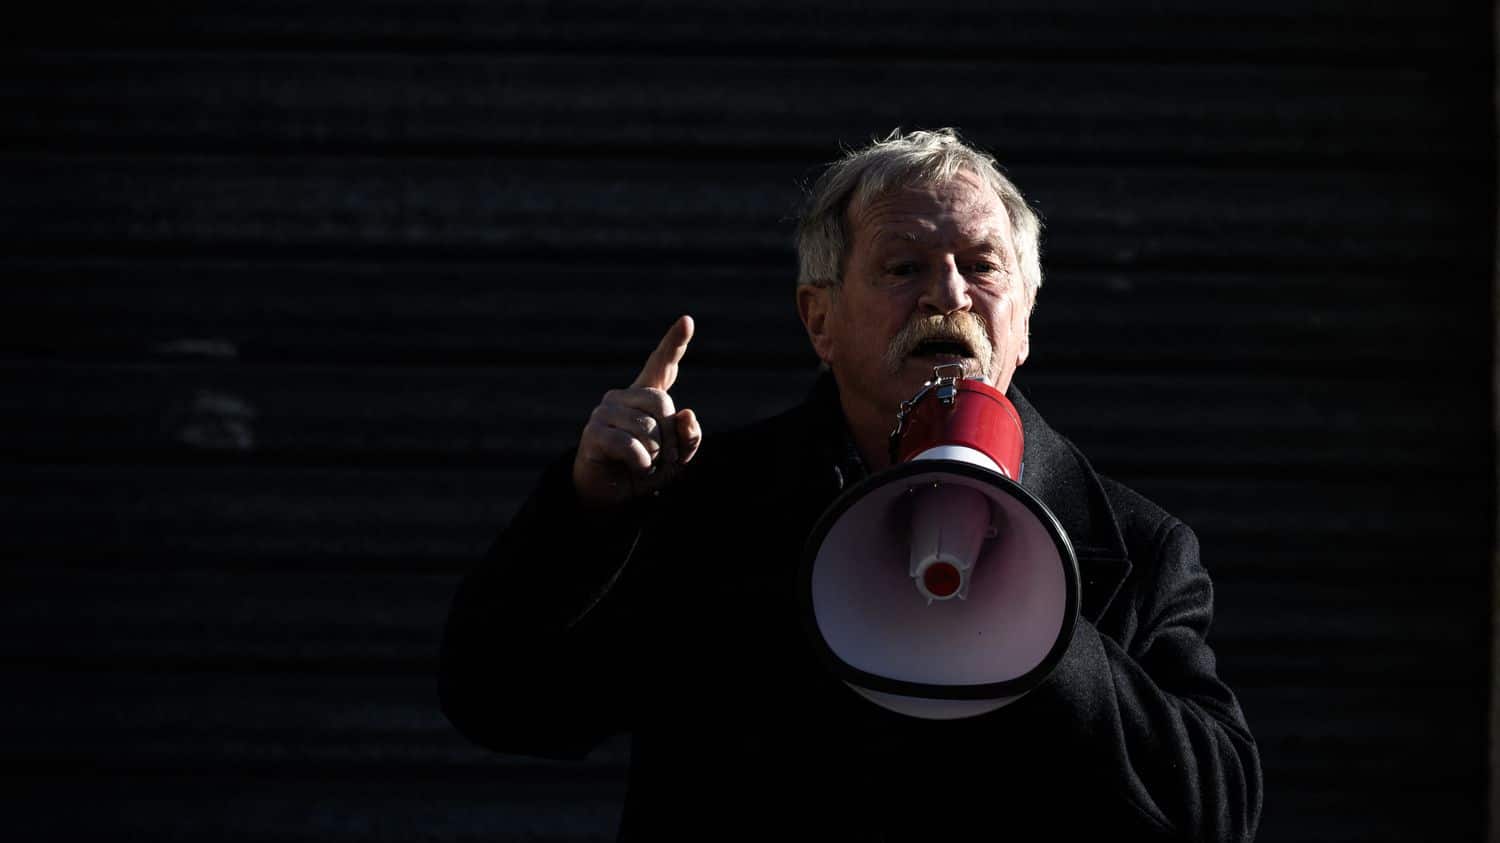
296, 301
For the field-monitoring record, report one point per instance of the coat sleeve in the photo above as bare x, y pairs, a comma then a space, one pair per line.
533, 655
1152, 715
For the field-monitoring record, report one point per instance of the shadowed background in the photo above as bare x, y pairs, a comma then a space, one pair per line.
296, 303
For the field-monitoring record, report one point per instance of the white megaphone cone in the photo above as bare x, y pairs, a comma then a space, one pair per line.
940, 588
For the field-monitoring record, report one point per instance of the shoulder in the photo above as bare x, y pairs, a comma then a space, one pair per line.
1143, 523
1166, 564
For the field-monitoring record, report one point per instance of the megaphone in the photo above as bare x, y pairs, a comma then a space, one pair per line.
939, 588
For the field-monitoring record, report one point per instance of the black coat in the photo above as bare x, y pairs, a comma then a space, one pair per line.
695, 647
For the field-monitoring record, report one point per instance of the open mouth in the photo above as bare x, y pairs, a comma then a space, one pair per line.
942, 348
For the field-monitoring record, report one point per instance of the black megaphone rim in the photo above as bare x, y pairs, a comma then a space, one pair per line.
1012, 687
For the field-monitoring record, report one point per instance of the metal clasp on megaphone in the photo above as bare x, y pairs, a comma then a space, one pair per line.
946, 387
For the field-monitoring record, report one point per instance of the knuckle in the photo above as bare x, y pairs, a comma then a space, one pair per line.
661, 401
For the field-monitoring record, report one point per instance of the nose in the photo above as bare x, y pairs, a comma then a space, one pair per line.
948, 291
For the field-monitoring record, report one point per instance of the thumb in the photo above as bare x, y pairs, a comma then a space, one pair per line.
689, 435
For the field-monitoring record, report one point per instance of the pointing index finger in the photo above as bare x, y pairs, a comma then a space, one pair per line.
660, 370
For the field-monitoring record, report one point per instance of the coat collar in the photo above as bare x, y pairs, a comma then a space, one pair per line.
1052, 469
1055, 470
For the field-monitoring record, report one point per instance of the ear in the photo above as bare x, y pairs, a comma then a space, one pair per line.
1024, 351
814, 305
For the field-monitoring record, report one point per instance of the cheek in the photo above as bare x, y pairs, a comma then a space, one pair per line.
1017, 315
1017, 307
870, 329
853, 337
997, 313
1007, 323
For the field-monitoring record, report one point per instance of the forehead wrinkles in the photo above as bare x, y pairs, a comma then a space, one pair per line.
953, 211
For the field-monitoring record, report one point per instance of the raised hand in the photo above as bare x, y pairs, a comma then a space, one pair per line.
636, 440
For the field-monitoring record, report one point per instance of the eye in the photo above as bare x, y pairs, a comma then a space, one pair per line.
987, 270
903, 269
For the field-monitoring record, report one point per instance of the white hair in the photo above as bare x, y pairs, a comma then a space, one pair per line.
851, 183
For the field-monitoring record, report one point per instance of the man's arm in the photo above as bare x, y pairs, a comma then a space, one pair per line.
527, 667
534, 657
1152, 716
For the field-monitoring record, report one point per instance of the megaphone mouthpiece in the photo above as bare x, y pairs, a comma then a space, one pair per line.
949, 523
941, 580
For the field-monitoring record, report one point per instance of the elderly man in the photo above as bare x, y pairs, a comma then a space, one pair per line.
648, 584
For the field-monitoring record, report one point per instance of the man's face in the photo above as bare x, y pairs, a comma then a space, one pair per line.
931, 278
